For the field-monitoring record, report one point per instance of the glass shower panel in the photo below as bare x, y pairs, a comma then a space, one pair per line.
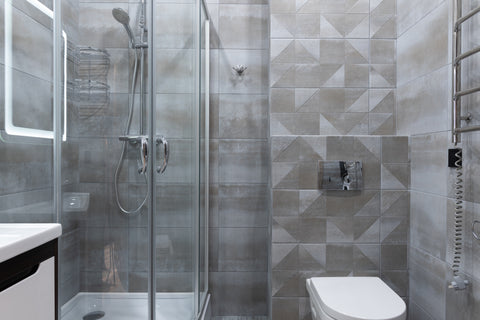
204, 155
26, 112
104, 251
177, 188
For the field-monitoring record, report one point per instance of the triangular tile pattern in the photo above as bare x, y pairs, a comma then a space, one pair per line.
285, 283
395, 203
284, 256
367, 229
382, 101
395, 176
312, 203
312, 257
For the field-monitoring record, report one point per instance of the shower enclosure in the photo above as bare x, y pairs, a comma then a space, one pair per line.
104, 129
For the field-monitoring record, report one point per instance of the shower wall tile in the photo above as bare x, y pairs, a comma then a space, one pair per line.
409, 13
174, 115
178, 64
241, 293
243, 206
429, 163
239, 196
427, 278
432, 93
243, 161
414, 44
175, 20
98, 28
255, 78
243, 27
243, 116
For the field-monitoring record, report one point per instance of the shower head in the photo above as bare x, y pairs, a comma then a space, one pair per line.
121, 16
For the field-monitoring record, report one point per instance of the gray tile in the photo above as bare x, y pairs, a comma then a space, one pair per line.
254, 80
311, 230
382, 51
285, 283
243, 116
285, 309
409, 13
248, 298
429, 163
243, 206
394, 257
178, 64
340, 230
307, 25
312, 257
429, 35
394, 230
395, 203
366, 258
98, 28
175, 20
427, 278
284, 256
243, 161
282, 100
339, 257
243, 27
242, 249
428, 223
432, 93
174, 115
395, 150
295, 124
285, 203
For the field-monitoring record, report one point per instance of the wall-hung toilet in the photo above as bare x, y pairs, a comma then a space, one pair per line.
354, 298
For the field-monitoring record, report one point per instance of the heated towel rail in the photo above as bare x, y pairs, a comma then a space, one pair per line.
458, 57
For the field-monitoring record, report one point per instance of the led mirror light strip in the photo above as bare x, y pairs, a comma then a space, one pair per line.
10, 128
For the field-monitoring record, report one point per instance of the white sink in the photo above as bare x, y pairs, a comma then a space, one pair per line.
17, 238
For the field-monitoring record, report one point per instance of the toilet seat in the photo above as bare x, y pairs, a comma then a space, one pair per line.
355, 298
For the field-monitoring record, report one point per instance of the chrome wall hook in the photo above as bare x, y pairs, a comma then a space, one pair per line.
239, 69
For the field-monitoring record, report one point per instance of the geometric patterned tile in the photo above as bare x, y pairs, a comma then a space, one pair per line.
285, 283
284, 256
366, 257
312, 257
312, 203
367, 229
339, 230
395, 203
395, 176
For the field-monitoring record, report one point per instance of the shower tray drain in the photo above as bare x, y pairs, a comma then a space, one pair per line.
94, 315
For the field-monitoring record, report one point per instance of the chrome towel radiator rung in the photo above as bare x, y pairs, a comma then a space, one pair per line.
458, 57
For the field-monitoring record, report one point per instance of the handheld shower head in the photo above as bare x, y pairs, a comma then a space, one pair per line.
121, 16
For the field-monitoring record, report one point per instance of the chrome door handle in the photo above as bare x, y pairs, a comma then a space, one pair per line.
166, 150
143, 155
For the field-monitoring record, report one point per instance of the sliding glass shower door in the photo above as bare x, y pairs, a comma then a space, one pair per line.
134, 161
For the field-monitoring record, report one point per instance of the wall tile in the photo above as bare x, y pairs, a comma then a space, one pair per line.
243, 161
243, 206
428, 223
243, 116
243, 27
248, 297
429, 35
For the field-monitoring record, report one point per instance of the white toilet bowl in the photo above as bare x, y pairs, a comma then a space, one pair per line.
354, 298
